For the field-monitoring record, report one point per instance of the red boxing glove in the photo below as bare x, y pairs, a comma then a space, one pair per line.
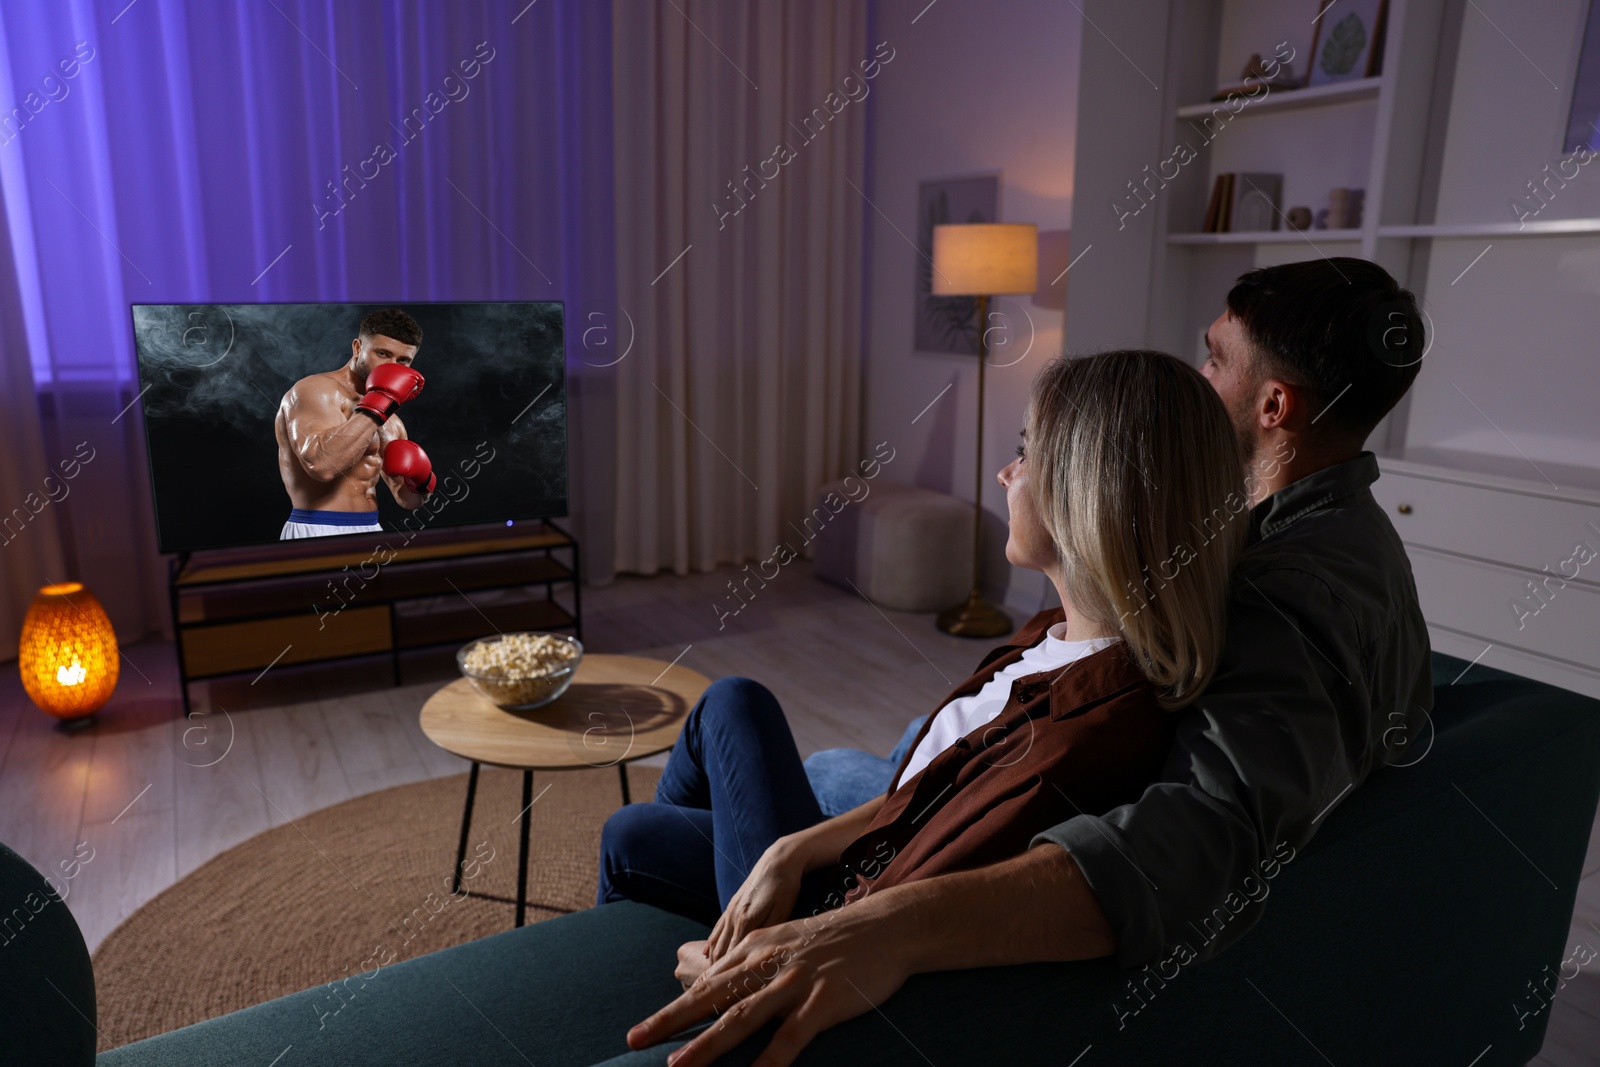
407, 461
388, 386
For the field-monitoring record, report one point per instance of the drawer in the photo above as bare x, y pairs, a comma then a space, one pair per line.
1480, 598
253, 644
1499, 525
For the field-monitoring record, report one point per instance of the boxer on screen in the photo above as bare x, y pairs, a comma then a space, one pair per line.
338, 433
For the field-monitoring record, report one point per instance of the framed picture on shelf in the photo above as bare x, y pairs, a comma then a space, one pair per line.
1256, 203
948, 323
1347, 43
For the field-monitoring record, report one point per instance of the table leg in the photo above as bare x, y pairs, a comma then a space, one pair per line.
622, 773
522, 853
466, 826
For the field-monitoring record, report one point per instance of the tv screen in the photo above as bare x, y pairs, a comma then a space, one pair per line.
282, 422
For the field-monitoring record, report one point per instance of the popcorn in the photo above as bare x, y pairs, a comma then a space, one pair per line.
518, 656
520, 670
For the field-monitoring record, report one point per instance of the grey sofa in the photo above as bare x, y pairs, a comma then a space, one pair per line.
1404, 933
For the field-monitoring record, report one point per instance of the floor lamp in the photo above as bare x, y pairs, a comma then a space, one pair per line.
982, 260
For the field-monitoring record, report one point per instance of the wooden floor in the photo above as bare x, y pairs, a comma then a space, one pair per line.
151, 795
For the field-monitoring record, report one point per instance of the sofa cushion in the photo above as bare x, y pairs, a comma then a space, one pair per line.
47, 1010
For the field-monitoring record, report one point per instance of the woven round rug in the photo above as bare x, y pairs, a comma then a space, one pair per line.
344, 889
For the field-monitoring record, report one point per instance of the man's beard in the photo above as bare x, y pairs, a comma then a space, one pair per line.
1242, 415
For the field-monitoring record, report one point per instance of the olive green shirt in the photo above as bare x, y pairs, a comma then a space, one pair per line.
1325, 675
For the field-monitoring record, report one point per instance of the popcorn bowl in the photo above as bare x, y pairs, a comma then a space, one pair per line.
523, 670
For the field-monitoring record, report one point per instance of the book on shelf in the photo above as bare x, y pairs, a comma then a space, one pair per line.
1213, 206
1244, 203
1223, 220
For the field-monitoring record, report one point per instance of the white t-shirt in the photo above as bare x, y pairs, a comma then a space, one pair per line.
964, 714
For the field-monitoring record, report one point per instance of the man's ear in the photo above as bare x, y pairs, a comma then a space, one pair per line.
1277, 403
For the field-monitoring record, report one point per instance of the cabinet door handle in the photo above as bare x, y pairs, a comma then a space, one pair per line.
1404, 509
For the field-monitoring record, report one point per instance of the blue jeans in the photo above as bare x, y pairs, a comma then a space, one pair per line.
732, 786
846, 778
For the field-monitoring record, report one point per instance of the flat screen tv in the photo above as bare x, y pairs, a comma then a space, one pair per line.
280, 422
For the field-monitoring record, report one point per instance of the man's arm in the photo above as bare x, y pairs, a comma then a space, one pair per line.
1030, 908
1283, 732
325, 439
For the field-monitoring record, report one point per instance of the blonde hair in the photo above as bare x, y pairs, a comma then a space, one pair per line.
1137, 475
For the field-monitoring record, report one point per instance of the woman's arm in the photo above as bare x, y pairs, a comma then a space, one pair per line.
819, 846
771, 888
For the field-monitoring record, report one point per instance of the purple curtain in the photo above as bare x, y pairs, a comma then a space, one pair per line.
293, 150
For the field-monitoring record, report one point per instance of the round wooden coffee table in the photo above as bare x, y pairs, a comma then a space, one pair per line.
617, 709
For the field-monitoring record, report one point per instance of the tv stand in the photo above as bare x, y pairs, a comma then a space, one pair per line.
246, 612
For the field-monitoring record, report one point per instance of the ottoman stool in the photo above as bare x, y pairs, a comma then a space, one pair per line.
905, 548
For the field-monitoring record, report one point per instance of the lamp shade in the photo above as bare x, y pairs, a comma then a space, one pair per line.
68, 653
985, 259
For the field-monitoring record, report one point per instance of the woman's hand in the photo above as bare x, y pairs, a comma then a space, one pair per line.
766, 898
692, 961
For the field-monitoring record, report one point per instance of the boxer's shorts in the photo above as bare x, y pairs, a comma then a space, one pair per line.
309, 522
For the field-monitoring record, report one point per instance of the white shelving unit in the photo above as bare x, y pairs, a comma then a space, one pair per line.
1492, 463
1289, 99
1309, 237
1552, 228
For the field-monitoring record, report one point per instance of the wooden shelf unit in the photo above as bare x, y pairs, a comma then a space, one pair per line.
242, 612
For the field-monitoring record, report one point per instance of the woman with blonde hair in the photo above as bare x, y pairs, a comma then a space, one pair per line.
1127, 492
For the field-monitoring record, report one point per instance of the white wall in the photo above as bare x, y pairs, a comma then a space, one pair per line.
975, 87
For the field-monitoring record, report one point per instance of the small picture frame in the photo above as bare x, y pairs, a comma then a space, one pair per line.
1347, 44
948, 323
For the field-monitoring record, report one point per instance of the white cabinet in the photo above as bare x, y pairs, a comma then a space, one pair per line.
1501, 525
1506, 574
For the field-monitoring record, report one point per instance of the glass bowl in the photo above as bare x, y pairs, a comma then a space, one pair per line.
522, 692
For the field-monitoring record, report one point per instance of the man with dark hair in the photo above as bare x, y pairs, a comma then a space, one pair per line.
337, 434
1340, 331
1325, 675
393, 323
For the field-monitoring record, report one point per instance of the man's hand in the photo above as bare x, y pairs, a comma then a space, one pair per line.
766, 898
405, 459
813, 973
388, 386
818, 971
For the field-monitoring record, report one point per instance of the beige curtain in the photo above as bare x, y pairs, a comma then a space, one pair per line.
30, 484
740, 148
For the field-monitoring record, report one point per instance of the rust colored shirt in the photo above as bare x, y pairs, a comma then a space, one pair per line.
1083, 738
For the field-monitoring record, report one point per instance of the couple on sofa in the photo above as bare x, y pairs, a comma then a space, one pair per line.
1238, 645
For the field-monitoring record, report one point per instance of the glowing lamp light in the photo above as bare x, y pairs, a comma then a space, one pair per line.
68, 654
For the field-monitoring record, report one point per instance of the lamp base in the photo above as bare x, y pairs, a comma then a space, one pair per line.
72, 726
974, 618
